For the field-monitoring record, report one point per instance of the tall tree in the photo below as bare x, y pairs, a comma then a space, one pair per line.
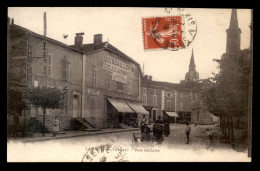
226, 94
46, 98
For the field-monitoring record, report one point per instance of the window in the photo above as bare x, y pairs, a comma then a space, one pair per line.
66, 100
181, 95
36, 84
144, 90
47, 65
154, 100
93, 75
119, 86
144, 99
181, 106
193, 96
109, 80
154, 91
130, 85
168, 94
136, 87
64, 68
33, 111
168, 107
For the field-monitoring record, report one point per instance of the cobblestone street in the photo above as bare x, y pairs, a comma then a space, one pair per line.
172, 149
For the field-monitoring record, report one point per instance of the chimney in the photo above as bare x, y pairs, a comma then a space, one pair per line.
150, 77
97, 39
79, 40
146, 77
12, 21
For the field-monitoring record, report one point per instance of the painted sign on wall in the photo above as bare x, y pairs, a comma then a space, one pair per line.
121, 70
93, 92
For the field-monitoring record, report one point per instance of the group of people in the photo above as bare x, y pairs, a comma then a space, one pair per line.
160, 128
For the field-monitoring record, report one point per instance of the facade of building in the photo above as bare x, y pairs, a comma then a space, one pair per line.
112, 85
61, 68
182, 102
100, 83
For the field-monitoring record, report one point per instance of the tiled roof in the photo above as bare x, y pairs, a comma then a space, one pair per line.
87, 48
177, 86
14, 26
159, 83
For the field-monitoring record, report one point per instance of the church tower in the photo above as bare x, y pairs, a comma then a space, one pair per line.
233, 34
192, 74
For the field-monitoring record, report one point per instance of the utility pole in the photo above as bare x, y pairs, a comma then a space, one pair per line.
44, 56
44, 35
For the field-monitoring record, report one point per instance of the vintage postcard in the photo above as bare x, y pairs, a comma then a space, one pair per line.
103, 84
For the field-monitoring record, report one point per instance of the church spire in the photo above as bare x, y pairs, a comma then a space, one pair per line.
233, 34
233, 19
192, 66
192, 74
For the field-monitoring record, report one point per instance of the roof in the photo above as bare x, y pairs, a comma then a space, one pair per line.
89, 48
27, 31
159, 83
187, 86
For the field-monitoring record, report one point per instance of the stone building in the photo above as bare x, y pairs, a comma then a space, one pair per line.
181, 101
61, 68
112, 85
178, 100
101, 84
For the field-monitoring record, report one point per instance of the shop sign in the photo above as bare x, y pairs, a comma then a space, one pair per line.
121, 70
93, 92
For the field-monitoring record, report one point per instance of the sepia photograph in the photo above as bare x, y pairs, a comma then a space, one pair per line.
129, 84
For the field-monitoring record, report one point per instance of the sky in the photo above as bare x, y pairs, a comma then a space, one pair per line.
122, 27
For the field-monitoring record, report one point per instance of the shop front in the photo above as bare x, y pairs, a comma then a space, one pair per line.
122, 112
172, 116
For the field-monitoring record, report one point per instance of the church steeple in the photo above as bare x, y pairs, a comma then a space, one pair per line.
192, 75
192, 66
233, 34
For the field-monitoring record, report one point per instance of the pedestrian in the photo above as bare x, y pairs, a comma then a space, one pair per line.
159, 120
187, 131
56, 126
158, 131
143, 122
166, 126
210, 136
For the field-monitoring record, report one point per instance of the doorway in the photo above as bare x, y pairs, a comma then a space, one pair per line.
76, 107
120, 118
154, 115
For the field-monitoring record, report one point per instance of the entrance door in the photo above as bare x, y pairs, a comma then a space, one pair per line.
154, 115
76, 112
120, 118
197, 116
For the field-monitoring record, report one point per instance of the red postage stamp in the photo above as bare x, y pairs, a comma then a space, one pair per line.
162, 32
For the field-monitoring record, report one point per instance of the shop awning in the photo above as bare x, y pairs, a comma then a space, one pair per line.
172, 114
137, 107
120, 105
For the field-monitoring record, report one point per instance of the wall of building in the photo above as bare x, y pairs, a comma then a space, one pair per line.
96, 95
151, 91
73, 83
169, 99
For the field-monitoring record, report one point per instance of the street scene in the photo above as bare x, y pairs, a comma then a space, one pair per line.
174, 86
174, 144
